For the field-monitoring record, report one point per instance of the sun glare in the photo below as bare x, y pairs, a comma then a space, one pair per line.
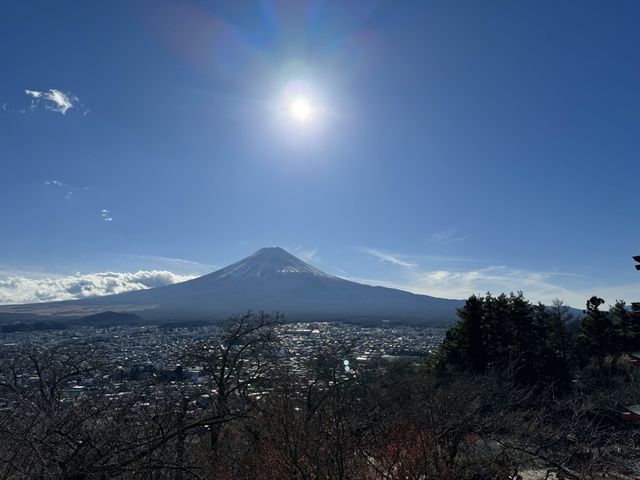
301, 109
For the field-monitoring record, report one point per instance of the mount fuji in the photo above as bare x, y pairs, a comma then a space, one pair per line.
271, 280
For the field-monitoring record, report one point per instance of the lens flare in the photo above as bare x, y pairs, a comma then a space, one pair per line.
301, 109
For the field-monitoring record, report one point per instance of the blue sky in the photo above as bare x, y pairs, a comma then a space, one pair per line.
453, 147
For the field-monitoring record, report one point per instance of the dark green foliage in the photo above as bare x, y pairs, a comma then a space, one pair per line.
626, 327
609, 333
538, 344
509, 333
596, 337
464, 344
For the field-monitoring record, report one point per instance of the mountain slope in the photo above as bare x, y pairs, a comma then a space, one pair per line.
271, 279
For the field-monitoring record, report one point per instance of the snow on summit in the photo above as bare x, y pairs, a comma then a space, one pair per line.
270, 279
268, 262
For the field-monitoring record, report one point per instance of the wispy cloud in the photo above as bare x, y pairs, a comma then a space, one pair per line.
452, 281
537, 286
495, 278
394, 258
462, 284
56, 183
178, 265
445, 237
308, 255
24, 289
53, 99
105, 215
6, 107
68, 190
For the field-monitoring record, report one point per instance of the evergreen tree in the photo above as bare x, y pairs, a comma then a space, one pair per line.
597, 335
524, 336
559, 327
497, 324
635, 326
551, 355
626, 326
507, 333
464, 345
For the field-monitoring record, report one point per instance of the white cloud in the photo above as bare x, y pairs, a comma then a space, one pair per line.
105, 214
52, 99
538, 286
393, 258
57, 184
24, 289
542, 286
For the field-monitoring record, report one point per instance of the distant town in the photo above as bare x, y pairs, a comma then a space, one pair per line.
135, 355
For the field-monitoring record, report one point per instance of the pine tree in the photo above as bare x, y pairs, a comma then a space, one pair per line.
623, 335
464, 345
508, 333
597, 334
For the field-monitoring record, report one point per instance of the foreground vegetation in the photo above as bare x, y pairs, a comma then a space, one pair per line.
514, 388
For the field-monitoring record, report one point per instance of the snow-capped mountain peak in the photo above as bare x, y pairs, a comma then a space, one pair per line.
269, 280
268, 262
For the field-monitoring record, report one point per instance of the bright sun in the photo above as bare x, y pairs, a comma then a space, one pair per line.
301, 109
